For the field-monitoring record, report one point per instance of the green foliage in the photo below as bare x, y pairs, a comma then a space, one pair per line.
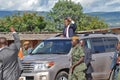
31, 21
90, 22
27, 22
65, 8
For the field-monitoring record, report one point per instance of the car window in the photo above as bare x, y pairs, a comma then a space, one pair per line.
87, 43
103, 44
53, 47
110, 43
98, 45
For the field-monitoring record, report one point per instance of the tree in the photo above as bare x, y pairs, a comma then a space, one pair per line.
23, 22
90, 22
67, 8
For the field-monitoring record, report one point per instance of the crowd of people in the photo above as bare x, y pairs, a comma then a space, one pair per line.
81, 69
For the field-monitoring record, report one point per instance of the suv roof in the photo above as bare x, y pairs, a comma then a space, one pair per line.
90, 35
98, 35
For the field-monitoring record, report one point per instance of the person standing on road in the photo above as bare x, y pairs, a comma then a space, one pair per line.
116, 61
77, 65
9, 64
87, 59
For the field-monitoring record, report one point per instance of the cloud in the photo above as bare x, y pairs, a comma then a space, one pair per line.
99, 5
46, 5
36, 5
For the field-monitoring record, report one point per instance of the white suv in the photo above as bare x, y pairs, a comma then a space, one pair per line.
50, 60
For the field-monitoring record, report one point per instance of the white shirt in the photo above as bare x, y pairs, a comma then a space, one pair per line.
67, 31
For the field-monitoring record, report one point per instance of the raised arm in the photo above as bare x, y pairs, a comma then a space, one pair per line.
16, 38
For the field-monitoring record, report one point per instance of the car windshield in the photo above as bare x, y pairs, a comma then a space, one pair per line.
53, 47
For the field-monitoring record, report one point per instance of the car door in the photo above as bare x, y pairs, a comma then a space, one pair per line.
102, 57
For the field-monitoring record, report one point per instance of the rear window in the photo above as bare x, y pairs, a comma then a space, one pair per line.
98, 45
102, 45
110, 44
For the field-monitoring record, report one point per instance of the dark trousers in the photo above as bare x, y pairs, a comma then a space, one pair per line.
88, 76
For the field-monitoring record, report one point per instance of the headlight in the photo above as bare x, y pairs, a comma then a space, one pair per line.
40, 66
43, 66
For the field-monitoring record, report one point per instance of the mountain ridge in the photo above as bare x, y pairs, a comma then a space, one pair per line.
111, 18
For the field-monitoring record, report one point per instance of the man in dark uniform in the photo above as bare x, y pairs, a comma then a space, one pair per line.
9, 64
87, 59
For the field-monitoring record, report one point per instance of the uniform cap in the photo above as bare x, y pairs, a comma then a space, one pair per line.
26, 42
75, 38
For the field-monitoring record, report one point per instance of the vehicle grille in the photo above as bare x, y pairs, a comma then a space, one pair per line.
27, 67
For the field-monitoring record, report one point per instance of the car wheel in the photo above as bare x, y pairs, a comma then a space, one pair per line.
112, 75
62, 76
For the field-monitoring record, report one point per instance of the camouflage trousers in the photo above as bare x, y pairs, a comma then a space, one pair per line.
77, 74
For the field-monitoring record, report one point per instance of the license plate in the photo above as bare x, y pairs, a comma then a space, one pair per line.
22, 78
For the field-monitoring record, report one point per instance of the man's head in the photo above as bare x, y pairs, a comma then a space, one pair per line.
82, 43
75, 40
3, 42
66, 22
26, 44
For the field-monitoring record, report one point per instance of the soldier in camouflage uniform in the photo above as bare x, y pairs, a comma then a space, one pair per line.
77, 55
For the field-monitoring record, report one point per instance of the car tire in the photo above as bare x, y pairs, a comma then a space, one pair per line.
62, 76
112, 75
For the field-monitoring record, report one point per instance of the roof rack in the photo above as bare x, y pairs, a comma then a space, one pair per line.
87, 34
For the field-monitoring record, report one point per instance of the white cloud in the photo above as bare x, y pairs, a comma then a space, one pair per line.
100, 5
46, 5
27, 5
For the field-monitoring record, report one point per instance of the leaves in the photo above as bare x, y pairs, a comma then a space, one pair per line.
65, 8
26, 22
32, 22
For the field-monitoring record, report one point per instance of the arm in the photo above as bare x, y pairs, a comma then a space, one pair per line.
88, 56
16, 38
73, 66
74, 26
79, 62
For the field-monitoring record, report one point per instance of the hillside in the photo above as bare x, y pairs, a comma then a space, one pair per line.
112, 18
9, 13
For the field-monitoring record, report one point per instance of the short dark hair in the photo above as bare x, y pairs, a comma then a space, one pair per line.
67, 19
3, 41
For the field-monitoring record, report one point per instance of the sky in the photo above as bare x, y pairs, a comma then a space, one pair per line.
46, 5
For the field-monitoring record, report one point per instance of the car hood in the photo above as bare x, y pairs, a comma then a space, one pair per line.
42, 57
